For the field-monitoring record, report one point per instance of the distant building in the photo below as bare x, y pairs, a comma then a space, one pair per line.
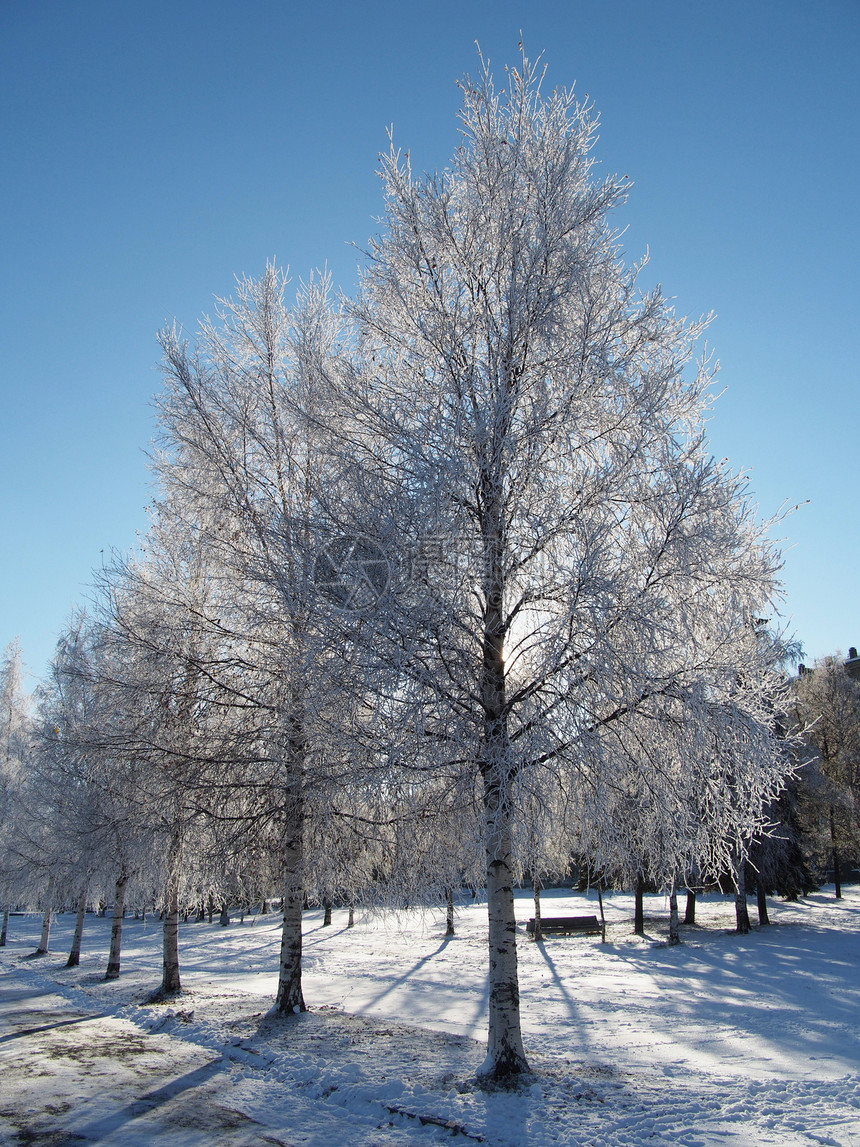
852, 664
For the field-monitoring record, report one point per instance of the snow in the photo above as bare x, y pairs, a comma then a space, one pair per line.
722, 1040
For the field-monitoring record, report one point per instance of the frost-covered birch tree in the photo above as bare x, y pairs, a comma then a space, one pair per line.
163, 665
685, 777
52, 799
89, 784
518, 397
241, 416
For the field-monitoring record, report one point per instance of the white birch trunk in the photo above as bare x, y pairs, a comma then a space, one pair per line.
46, 933
46, 923
506, 1057
290, 999
742, 915
639, 907
536, 887
171, 983
674, 930
112, 972
75, 951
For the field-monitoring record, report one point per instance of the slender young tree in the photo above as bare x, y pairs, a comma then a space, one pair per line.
63, 796
242, 419
78, 934
88, 788
160, 653
47, 920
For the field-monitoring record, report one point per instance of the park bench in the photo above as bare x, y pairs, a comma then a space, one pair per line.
568, 926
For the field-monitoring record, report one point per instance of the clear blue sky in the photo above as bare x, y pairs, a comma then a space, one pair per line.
150, 152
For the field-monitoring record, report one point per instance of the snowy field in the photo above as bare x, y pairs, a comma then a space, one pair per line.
723, 1040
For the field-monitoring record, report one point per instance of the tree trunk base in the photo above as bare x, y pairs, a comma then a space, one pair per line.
162, 995
286, 1009
508, 1072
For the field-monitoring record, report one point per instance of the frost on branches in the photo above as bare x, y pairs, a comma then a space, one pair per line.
240, 422
445, 577
593, 617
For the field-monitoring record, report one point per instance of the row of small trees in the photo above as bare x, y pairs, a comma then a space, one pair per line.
98, 847
441, 582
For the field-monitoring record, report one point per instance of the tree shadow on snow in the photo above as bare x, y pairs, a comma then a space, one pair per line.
394, 984
773, 987
151, 1101
574, 1006
24, 1032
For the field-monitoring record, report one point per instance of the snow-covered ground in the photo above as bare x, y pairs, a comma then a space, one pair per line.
723, 1040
